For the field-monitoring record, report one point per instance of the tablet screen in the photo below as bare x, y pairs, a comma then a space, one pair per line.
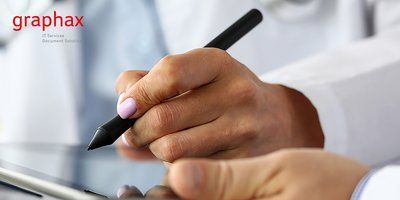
102, 171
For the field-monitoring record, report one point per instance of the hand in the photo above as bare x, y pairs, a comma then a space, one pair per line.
156, 192
204, 103
286, 174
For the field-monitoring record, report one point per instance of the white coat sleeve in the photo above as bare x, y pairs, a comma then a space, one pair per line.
381, 184
356, 91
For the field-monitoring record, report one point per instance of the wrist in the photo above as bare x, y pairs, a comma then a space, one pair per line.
303, 121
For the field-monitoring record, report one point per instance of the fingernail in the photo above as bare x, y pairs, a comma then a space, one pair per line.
125, 141
193, 177
127, 108
122, 190
129, 192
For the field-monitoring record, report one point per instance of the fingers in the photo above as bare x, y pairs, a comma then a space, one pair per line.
198, 107
160, 192
207, 139
127, 79
175, 75
235, 179
126, 192
156, 192
199, 141
124, 81
188, 110
130, 152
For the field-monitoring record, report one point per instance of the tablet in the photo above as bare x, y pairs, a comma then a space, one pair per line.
36, 183
71, 172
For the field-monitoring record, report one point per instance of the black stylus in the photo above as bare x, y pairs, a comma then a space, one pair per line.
109, 132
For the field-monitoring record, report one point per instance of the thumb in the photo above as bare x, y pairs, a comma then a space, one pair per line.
207, 179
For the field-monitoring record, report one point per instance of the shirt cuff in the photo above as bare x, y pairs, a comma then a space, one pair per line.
361, 185
379, 184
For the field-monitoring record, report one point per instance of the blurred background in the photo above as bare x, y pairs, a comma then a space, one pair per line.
58, 93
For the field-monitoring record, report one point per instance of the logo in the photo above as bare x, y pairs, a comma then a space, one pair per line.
45, 21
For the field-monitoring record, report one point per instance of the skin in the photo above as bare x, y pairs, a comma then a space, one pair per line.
303, 174
156, 192
204, 103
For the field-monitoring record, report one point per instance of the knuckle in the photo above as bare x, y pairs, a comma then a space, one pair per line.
171, 65
122, 77
172, 70
161, 118
245, 91
166, 60
220, 53
141, 94
225, 60
246, 129
131, 138
171, 149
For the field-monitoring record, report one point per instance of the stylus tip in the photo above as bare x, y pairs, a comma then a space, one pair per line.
92, 146
101, 138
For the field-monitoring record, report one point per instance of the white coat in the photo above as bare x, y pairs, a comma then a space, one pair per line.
322, 51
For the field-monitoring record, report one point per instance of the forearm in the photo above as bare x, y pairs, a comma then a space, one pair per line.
353, 91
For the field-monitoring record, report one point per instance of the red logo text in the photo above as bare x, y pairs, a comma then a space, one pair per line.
46, 21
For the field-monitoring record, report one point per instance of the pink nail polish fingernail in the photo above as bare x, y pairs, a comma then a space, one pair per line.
127, 108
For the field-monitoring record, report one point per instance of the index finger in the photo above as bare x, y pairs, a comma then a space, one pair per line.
175, 75
128, 78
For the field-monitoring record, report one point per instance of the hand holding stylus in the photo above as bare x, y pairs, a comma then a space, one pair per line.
204, 103
109, 132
